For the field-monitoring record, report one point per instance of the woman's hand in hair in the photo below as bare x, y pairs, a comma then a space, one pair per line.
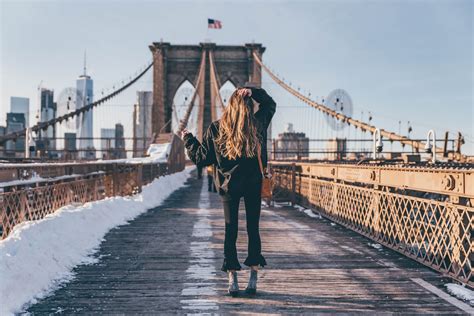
184, 132
244, 92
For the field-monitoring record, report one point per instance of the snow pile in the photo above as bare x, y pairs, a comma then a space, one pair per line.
281, 204
35, 178
299, 207
461, 292
159, 151
376, 246
156, 153
308, 211
39, 255
38, 179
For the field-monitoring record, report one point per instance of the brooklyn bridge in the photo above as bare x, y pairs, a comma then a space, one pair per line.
362, 219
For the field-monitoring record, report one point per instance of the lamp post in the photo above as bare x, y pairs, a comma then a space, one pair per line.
430, 146
377, 143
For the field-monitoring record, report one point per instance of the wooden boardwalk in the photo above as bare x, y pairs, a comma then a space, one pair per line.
168, 261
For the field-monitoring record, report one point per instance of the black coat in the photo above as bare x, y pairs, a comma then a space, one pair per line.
232, 174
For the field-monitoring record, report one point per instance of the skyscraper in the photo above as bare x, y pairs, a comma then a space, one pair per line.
107, 142
21, 105
119, 142
70, 146
15, 123
3, 131
85, 96
48, 112
142, 123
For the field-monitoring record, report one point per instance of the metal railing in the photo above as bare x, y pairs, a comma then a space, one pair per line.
32, 191
60, 148
34, 200
345, 148
433, 227
363, 126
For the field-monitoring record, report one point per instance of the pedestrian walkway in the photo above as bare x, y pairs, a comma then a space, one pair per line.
168, 260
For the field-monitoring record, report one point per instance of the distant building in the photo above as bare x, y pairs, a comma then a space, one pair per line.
3, 131
112, 142
107, 142
21, 105
119, 142
85, 96
142, 134
70, 141
70, 146
15, 123
291, 145
336, 149
48, 112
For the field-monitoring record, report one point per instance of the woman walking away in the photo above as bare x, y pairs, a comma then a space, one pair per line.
234, 145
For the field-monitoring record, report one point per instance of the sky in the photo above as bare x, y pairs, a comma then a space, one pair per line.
401, 60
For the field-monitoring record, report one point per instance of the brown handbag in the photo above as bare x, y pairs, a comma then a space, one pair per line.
267, 182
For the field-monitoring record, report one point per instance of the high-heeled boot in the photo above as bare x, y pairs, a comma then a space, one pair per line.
233, 284
252, 285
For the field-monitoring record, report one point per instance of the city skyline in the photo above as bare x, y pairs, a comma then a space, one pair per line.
418, 71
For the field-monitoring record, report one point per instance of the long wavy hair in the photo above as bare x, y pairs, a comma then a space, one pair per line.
238, 133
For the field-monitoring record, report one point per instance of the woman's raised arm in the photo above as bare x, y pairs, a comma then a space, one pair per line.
201, 154
266, 108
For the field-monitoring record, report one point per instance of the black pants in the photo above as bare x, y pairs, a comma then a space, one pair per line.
210, 183
250, 191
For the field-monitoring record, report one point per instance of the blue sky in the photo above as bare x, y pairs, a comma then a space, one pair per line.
401, 60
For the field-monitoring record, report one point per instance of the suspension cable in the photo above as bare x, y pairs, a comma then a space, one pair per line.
215, 83
184, 122
418, 145
44, 125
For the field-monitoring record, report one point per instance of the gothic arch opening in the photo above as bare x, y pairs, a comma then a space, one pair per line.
172, 64
225, 91
181, 101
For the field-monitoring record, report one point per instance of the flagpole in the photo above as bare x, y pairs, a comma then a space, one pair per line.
206, 39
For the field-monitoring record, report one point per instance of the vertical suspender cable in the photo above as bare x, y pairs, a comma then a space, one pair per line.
417, 145
200, 77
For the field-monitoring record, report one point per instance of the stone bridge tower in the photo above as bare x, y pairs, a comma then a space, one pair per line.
174, 64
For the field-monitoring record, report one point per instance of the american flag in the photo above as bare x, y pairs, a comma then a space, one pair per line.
214, 24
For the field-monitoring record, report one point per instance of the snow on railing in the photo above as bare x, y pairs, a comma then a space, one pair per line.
32, 191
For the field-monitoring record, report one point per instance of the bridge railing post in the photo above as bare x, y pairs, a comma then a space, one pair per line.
96, 189
455, 218
293, 183
115, 179
139, 177
274, 149
310, 184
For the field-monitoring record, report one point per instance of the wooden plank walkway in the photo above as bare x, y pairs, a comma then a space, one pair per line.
168, 261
